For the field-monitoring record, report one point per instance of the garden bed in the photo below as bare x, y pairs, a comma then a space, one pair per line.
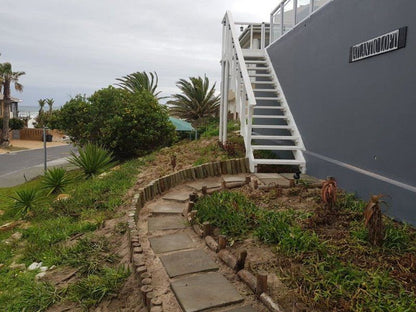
323, 259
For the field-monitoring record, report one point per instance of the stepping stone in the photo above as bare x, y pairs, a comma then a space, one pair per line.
204, 291
231, 179
199, 184
172, 242
166, 223
273, 178
186, 262
242, 309
167, 208
177, 196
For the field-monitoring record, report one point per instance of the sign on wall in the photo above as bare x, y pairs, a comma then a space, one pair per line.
391, 41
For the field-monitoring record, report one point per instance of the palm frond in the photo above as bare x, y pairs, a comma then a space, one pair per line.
139, 81
197, 99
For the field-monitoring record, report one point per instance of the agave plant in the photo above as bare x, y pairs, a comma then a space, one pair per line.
26, 200
55, 180
92, 160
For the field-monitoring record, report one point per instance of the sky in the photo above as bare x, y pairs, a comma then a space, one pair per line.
70, 47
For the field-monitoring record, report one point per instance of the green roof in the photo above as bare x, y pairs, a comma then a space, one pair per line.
181, 125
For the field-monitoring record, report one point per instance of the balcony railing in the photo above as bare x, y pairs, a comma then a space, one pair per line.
289, 13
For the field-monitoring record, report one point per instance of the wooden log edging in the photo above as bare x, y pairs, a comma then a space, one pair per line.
152, 190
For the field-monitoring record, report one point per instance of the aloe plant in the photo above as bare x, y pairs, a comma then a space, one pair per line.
55, 180
92, 160
26, 200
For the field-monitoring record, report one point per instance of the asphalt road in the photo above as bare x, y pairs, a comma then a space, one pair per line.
17, 167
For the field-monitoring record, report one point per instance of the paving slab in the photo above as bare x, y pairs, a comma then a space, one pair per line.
242, 309
171, 242
199, 184
273, 178
204, 291
231, 179
177, 196
167, 208
160, 223
186, 262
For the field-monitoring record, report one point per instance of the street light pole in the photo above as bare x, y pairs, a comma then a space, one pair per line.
44, 149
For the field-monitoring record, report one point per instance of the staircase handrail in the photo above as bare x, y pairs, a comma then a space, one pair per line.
228, 20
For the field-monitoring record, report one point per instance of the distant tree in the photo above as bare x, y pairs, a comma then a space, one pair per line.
42, 103
8, 77
50, 102
139, 81
196, 101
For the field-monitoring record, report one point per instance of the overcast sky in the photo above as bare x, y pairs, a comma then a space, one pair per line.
68, 47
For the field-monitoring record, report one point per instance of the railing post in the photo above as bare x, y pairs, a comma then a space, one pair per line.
271, 29
312, 4
295, 12
282, 9
251, 36
263, 36
225, 102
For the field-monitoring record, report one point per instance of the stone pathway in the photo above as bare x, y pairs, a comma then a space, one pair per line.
185, 273
195, 275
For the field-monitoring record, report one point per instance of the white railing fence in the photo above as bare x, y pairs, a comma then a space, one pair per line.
290, 13
235, 78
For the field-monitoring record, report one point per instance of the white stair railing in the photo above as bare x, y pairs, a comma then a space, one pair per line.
235, 73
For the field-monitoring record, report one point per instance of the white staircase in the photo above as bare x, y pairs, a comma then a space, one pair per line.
273, 126
267, 125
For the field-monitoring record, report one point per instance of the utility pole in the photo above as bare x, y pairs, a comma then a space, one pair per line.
44, 149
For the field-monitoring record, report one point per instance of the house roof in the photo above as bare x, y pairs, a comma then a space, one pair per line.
16, 100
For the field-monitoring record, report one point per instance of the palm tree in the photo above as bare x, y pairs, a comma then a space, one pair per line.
42, 103
8, 77
197, 100
50, 102
139, 81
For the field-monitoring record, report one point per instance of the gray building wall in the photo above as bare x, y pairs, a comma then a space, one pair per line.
357, 120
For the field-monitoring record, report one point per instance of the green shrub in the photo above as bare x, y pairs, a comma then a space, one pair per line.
92, 160
26, 200
14, 124
128, 124
55, 180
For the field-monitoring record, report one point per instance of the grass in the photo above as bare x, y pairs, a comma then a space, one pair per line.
237, 217
331, 282
91, 290
48, 229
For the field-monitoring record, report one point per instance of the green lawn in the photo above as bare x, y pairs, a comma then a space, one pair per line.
45, 234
